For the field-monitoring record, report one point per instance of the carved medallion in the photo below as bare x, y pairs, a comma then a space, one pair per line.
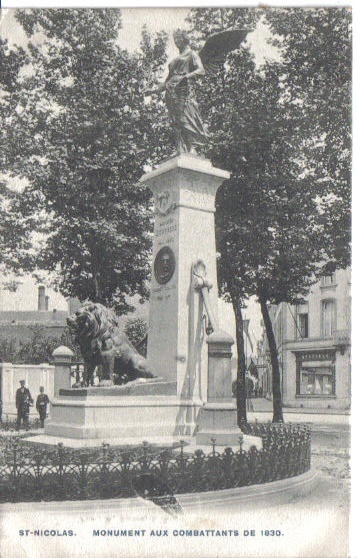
164, 265
164, 203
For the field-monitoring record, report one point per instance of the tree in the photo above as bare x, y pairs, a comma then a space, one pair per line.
8, 350
37, 349
275, 218
14, 229
81, 135
317, 69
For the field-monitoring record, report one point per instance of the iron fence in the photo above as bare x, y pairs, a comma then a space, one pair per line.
31, 473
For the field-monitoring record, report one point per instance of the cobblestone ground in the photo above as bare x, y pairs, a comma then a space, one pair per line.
323, 515
331, 458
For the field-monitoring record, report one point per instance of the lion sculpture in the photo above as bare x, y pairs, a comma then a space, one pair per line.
102, 342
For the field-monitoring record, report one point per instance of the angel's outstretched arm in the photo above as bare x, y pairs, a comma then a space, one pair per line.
158, 88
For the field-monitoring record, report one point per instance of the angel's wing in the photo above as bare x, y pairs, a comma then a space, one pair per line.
218, 45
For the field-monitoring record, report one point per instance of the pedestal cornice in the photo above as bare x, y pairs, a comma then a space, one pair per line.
186, 162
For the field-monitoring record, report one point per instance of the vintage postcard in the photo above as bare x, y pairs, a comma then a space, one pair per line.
175, 281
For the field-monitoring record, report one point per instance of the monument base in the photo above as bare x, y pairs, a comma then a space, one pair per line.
111, 413
218, 422
142, 387
44, 441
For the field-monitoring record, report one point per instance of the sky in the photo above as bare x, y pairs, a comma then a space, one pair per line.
167, 19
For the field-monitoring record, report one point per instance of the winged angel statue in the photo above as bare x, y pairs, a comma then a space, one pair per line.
190, 130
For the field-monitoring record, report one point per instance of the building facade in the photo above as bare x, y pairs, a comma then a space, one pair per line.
21, 325
313, 341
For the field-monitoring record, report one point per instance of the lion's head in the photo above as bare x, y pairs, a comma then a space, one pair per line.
92, 321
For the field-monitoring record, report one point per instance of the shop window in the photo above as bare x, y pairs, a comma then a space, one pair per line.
316, 381
315, 373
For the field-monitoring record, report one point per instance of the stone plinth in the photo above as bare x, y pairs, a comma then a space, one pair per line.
218, 417
154, 386
108, 413
184, 190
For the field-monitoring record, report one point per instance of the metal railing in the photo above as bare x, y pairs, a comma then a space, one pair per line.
30, 473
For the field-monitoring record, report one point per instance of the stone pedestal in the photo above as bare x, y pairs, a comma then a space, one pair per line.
218, 418
62, 357
184, 190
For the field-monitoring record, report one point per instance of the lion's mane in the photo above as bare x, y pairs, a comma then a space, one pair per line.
102, 342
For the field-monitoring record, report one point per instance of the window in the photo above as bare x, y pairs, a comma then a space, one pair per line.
328, 318
303, 325
316, 381
315, 373
328, 280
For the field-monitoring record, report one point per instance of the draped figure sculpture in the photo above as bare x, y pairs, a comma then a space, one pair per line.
189, 128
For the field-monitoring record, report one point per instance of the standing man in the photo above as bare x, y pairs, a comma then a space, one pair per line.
23, 403
41, 405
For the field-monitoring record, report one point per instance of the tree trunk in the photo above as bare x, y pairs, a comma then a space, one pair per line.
277, 400
241, 390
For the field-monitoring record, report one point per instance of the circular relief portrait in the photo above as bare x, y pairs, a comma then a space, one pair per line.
164, 265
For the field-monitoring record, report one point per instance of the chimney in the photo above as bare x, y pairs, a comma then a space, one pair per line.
41, 299
47, 300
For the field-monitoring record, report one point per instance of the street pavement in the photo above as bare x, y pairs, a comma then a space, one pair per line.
265, 405
261, 409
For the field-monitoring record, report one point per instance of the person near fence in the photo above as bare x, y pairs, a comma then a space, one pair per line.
23, 403
41, 405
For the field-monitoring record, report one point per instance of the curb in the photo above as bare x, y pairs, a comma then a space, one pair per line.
230, 499
285, 490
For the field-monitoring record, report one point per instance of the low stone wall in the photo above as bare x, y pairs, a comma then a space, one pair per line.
35, 375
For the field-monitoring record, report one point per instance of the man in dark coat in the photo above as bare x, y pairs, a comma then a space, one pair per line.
41, 405
23, 403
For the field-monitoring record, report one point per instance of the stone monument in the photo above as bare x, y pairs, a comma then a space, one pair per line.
187, 351
184, 190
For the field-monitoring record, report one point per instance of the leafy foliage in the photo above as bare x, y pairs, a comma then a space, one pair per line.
136, 330
81, 135
317, 79
14, 228
37, 349
8, 350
